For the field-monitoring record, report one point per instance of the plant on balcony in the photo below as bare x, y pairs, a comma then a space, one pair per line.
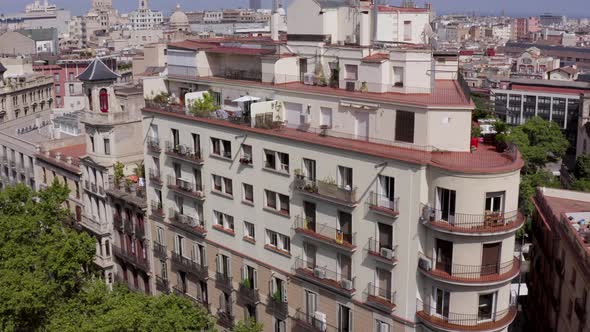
364, 87
204, 106
118, 172
276, 296
311, 188
329, 180
162, 98
246, 283
139, 170
299, 173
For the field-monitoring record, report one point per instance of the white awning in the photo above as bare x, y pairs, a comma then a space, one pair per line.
243, 99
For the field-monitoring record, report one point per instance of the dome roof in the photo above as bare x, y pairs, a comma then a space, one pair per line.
178, 18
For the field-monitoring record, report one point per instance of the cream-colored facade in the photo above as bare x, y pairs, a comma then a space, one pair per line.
331, 193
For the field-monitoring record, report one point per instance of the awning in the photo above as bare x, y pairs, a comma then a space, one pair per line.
243, 99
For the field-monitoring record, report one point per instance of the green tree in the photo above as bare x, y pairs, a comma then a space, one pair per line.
539, 142
98, 309
42, 261
249, 325
528, 184
205, 105
581, 184
582, 169
483, 106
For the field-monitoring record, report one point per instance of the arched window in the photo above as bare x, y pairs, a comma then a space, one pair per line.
104, 100
90, 98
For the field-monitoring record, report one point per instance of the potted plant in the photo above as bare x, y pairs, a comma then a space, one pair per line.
246, 283
276, 296
311, 188
299, 173
475, 135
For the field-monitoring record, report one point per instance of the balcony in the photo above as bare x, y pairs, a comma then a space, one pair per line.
181, 291
185, 153
278, 307
310, 323
155, 177
325, 234
386, 254
160, 250
247, 293
153, 145
162, 285
182, 263
327, 191
380, 298
471, 224
324, 277
157, 210
96, 227
383, 205
186, 188
106, 119
140, 231
223, 281
132, 258
225, 319
187, 223
117, 221
128, 226
469, 274
497, 321
132, 193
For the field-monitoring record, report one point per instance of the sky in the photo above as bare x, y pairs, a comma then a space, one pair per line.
574, 8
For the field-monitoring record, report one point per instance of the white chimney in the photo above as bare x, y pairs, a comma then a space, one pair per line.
365, 28
274, 21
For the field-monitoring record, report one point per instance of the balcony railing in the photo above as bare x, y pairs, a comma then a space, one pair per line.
133, 193
469, 273
461, 321
309, 322
157, 209
325, 277
183, 152
248, 294
327, 191
109, 118
380, 298
223, 281
153, 145
140, 231
160, 250
132, 258
185, 187
383, 252
487, 222
155, 176
383, 204
162, 285
128, 226
117, 221
325, 233
187, 223
182, 263
225, 319
94, 225
278, 307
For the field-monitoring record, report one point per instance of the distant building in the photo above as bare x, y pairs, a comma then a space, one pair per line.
579, 55
550, 19
583, 140
38, 16
29, 42
558, 282
531, 64
143, 18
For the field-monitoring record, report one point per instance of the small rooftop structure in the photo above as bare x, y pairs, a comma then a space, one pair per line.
98, 71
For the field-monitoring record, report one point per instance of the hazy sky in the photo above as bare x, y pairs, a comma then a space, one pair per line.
515, 7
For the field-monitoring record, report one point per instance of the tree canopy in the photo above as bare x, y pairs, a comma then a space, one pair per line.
539, 142
204, 105
249, 325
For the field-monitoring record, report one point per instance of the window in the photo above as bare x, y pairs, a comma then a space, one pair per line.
311, 305
278, 241
107, 146
398, 76
71, 89
246, 158
344, 319
249, 273
345, 177
249, 230
446, 204
221, 147
92, 143
309, 169
487, 303
223, 265
224, 220
175, 138
407, 30
56, 77
404, 126
178, 245
57, 89
222, 185
326, 117
441, 300
160, 235
196, 144
381, 326
494, 202
248, 193
386, 192
279, 325
276, 201
103, 98
310, 255
351, 72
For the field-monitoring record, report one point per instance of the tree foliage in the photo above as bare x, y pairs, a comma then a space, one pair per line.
582, 169
204, 105
99, 309
41, 260
528, 184
249, 325
539, 142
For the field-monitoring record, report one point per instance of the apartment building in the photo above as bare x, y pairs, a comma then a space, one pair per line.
143, 18
24, 94
583, 135
113, 201
558, 283
332, 193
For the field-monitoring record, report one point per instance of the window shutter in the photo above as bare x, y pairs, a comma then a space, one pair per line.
244, 273
218, 265
273, 286
284, 291
176, 244
350, 320
255, 281
204, 257
222, 304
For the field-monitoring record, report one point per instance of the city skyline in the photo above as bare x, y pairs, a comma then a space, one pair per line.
521, 8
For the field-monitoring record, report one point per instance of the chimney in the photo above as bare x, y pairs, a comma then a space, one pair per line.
365, 28
376, 4
274, 21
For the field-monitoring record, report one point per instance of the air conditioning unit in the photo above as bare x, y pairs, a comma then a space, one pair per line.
351, 86
319, 321
387, 253
351, 39
304, 118
424, 264
319, 273
346, 284
308, 79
